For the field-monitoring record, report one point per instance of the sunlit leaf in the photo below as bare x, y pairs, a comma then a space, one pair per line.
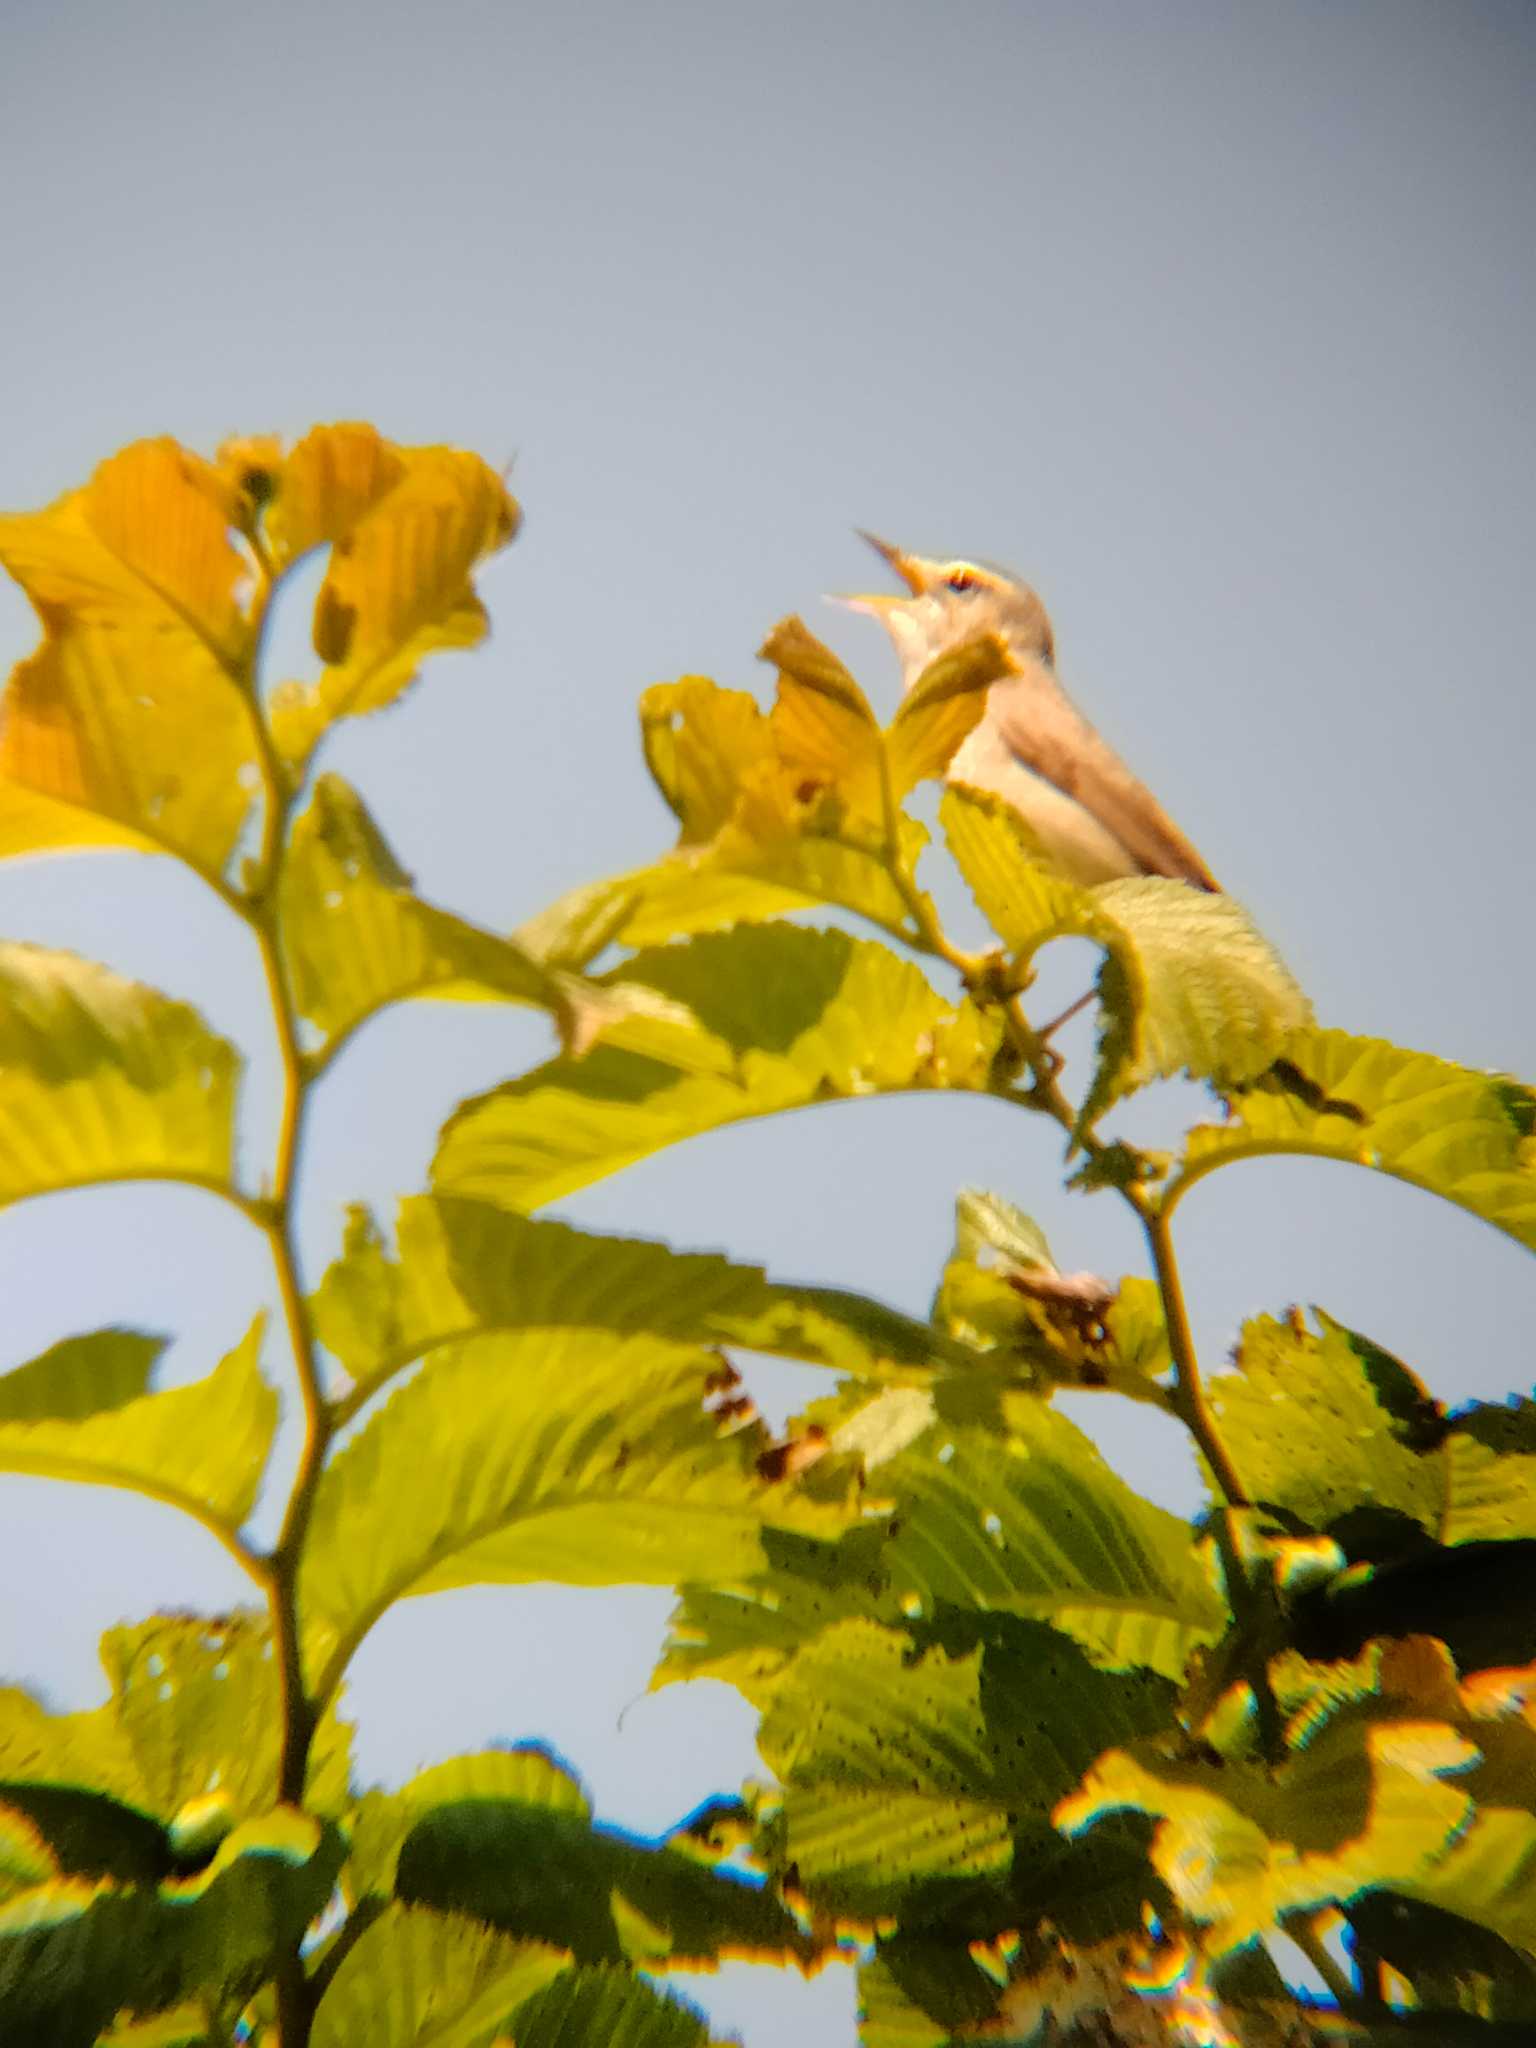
197, 1701
902, 1765
745, 876
567, 1455
778, 812
1208, 995
1364, 1803
1031, 1521
325, 485
608, 2006
1026, 901
1188, 984
398, 585
1308, 1431
417, 1977
186, 2027
1326, 1425
466, 1266
787, 1016
104, 1079
202, 1448
193, 1715
357, 938
1464, 1135
576, 928
885, 1762
124, 735
701, 743
943, 706
823, 730
146, 543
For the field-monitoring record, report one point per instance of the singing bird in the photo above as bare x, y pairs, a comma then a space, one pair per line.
1033, 748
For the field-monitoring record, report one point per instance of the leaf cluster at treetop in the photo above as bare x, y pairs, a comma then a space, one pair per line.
1042, 1761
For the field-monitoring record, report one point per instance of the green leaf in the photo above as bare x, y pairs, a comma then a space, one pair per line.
79, 1377
85, 1833
76, 1953
25, 1858
747, 1632
508, 1460
419, 1979
464, 1267
1026, 901
201, 1448
1029, 1520
1463, 1135
578, 926
903, 1980
193, 1717
197, 1701
551, 1876
1013, 1514
787, 1016
751, 876
989, 1229
584, 2007
1199, 990
356, 938
888, 1778
900, 1766
941, 709
1325, 1425
186, 2027
382, 1820
1188, 984
104, 1079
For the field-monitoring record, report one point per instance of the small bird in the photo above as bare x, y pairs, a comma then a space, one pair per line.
1033, 747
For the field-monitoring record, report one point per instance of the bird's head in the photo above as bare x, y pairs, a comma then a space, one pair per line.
950, 602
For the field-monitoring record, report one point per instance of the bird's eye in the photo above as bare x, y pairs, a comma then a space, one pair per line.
961, 580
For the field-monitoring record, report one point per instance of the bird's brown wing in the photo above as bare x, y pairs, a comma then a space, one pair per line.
1041, 726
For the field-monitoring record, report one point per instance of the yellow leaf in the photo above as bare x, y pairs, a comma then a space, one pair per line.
701, 743
326, 484
942, 707
145, 544
398, 586
125, 737
823, 729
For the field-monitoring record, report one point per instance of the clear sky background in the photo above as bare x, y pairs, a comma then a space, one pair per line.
1215, 321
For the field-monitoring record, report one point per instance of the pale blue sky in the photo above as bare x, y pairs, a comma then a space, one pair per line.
1213, 320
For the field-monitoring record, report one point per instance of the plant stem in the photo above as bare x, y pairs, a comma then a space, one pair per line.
300, 1711
1187, 1400
1251, 1603
1190, 1403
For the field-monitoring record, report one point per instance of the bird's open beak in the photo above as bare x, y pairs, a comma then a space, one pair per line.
903, 564
879, 603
